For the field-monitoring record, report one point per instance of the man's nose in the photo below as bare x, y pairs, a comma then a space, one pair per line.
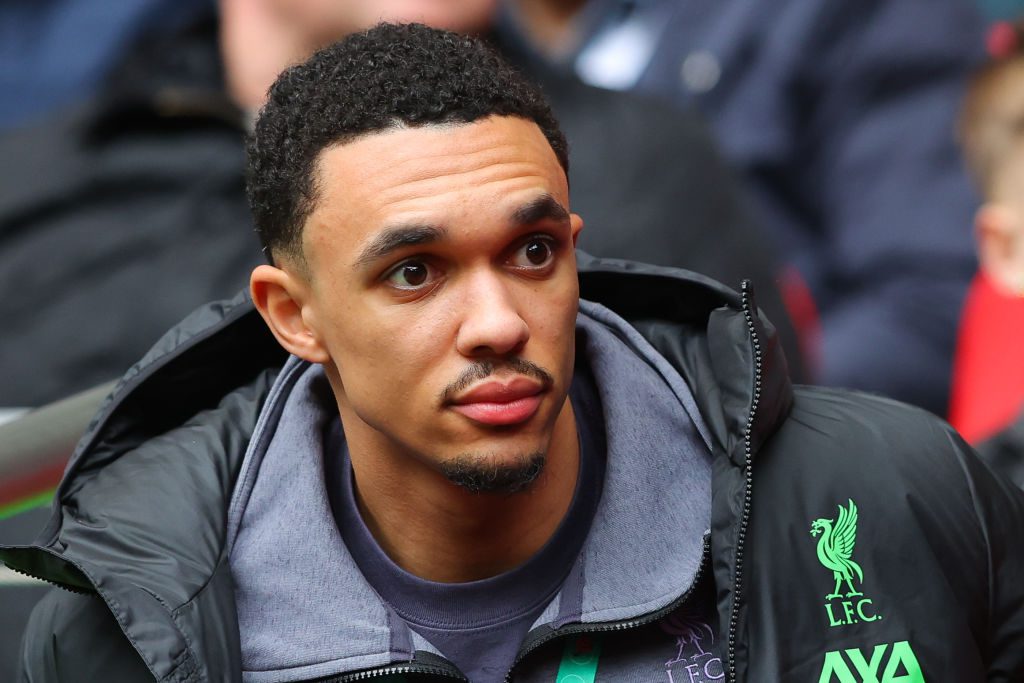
491, 322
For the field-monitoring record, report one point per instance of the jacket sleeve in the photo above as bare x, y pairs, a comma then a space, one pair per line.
72, 637
1000, 509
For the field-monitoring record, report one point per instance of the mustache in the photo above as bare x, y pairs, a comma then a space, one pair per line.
482, 369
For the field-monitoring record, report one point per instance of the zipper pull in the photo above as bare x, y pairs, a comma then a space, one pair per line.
579, 660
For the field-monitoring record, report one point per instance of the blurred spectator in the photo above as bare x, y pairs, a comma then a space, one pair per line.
988, 389
123, 214
261, 37
841, 116
118, 217
56, 52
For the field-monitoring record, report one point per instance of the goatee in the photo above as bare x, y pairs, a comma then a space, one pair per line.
485, 474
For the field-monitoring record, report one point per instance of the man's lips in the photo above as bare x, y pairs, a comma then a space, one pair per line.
500, 403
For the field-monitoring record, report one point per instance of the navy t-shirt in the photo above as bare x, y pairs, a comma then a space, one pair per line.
478, 625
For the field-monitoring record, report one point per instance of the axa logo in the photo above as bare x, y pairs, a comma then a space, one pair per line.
883, 665
845, 604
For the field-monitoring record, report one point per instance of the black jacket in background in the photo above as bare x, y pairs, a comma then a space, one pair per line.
119, 217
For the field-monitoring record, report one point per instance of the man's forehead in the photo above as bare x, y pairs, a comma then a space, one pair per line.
408, 175
408, 168
401, 150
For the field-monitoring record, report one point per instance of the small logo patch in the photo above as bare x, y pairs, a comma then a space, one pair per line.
845, 604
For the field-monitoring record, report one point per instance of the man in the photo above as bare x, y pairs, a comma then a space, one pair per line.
463, 469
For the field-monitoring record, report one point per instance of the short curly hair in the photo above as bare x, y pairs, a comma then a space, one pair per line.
392, 75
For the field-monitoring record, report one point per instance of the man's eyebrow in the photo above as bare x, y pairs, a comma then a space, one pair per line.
544, 207
392, 239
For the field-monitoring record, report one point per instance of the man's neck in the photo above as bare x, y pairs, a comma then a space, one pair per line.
441, 532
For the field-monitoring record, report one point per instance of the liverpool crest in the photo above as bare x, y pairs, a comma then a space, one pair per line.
695, 641
835, 552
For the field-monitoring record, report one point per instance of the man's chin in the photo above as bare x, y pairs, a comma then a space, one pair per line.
487, 473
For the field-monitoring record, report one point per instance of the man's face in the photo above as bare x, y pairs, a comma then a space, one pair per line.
442, 286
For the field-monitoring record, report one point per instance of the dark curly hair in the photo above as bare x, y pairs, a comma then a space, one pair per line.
391, 75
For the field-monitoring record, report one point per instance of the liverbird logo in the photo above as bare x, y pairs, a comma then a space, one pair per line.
835, 552
835, 549
694, 656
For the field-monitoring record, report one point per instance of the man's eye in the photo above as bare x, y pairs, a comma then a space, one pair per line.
535, 253
410, 275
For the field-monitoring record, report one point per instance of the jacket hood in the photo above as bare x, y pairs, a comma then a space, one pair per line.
168, 550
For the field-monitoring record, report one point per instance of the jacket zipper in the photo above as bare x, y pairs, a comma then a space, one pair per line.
594, 629
741, 536
399, 670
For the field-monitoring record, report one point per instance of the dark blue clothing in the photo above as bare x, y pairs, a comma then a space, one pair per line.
478, 625
55, 52
841, 114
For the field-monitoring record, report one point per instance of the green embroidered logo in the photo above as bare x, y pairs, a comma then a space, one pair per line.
835, 552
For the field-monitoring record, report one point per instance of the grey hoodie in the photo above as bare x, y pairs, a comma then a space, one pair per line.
305, 611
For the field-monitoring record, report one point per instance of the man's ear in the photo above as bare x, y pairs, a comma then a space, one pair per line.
283, 300
1000, 234
575, 225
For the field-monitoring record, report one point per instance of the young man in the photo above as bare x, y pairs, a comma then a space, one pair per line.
463, 469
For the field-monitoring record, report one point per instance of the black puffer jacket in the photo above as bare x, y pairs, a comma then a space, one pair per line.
937, 593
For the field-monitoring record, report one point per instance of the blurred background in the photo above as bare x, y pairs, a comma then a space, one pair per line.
861, 162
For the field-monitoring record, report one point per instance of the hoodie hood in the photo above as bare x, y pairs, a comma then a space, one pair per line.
305, 610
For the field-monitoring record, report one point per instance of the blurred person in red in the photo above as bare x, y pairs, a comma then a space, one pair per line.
988, 388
